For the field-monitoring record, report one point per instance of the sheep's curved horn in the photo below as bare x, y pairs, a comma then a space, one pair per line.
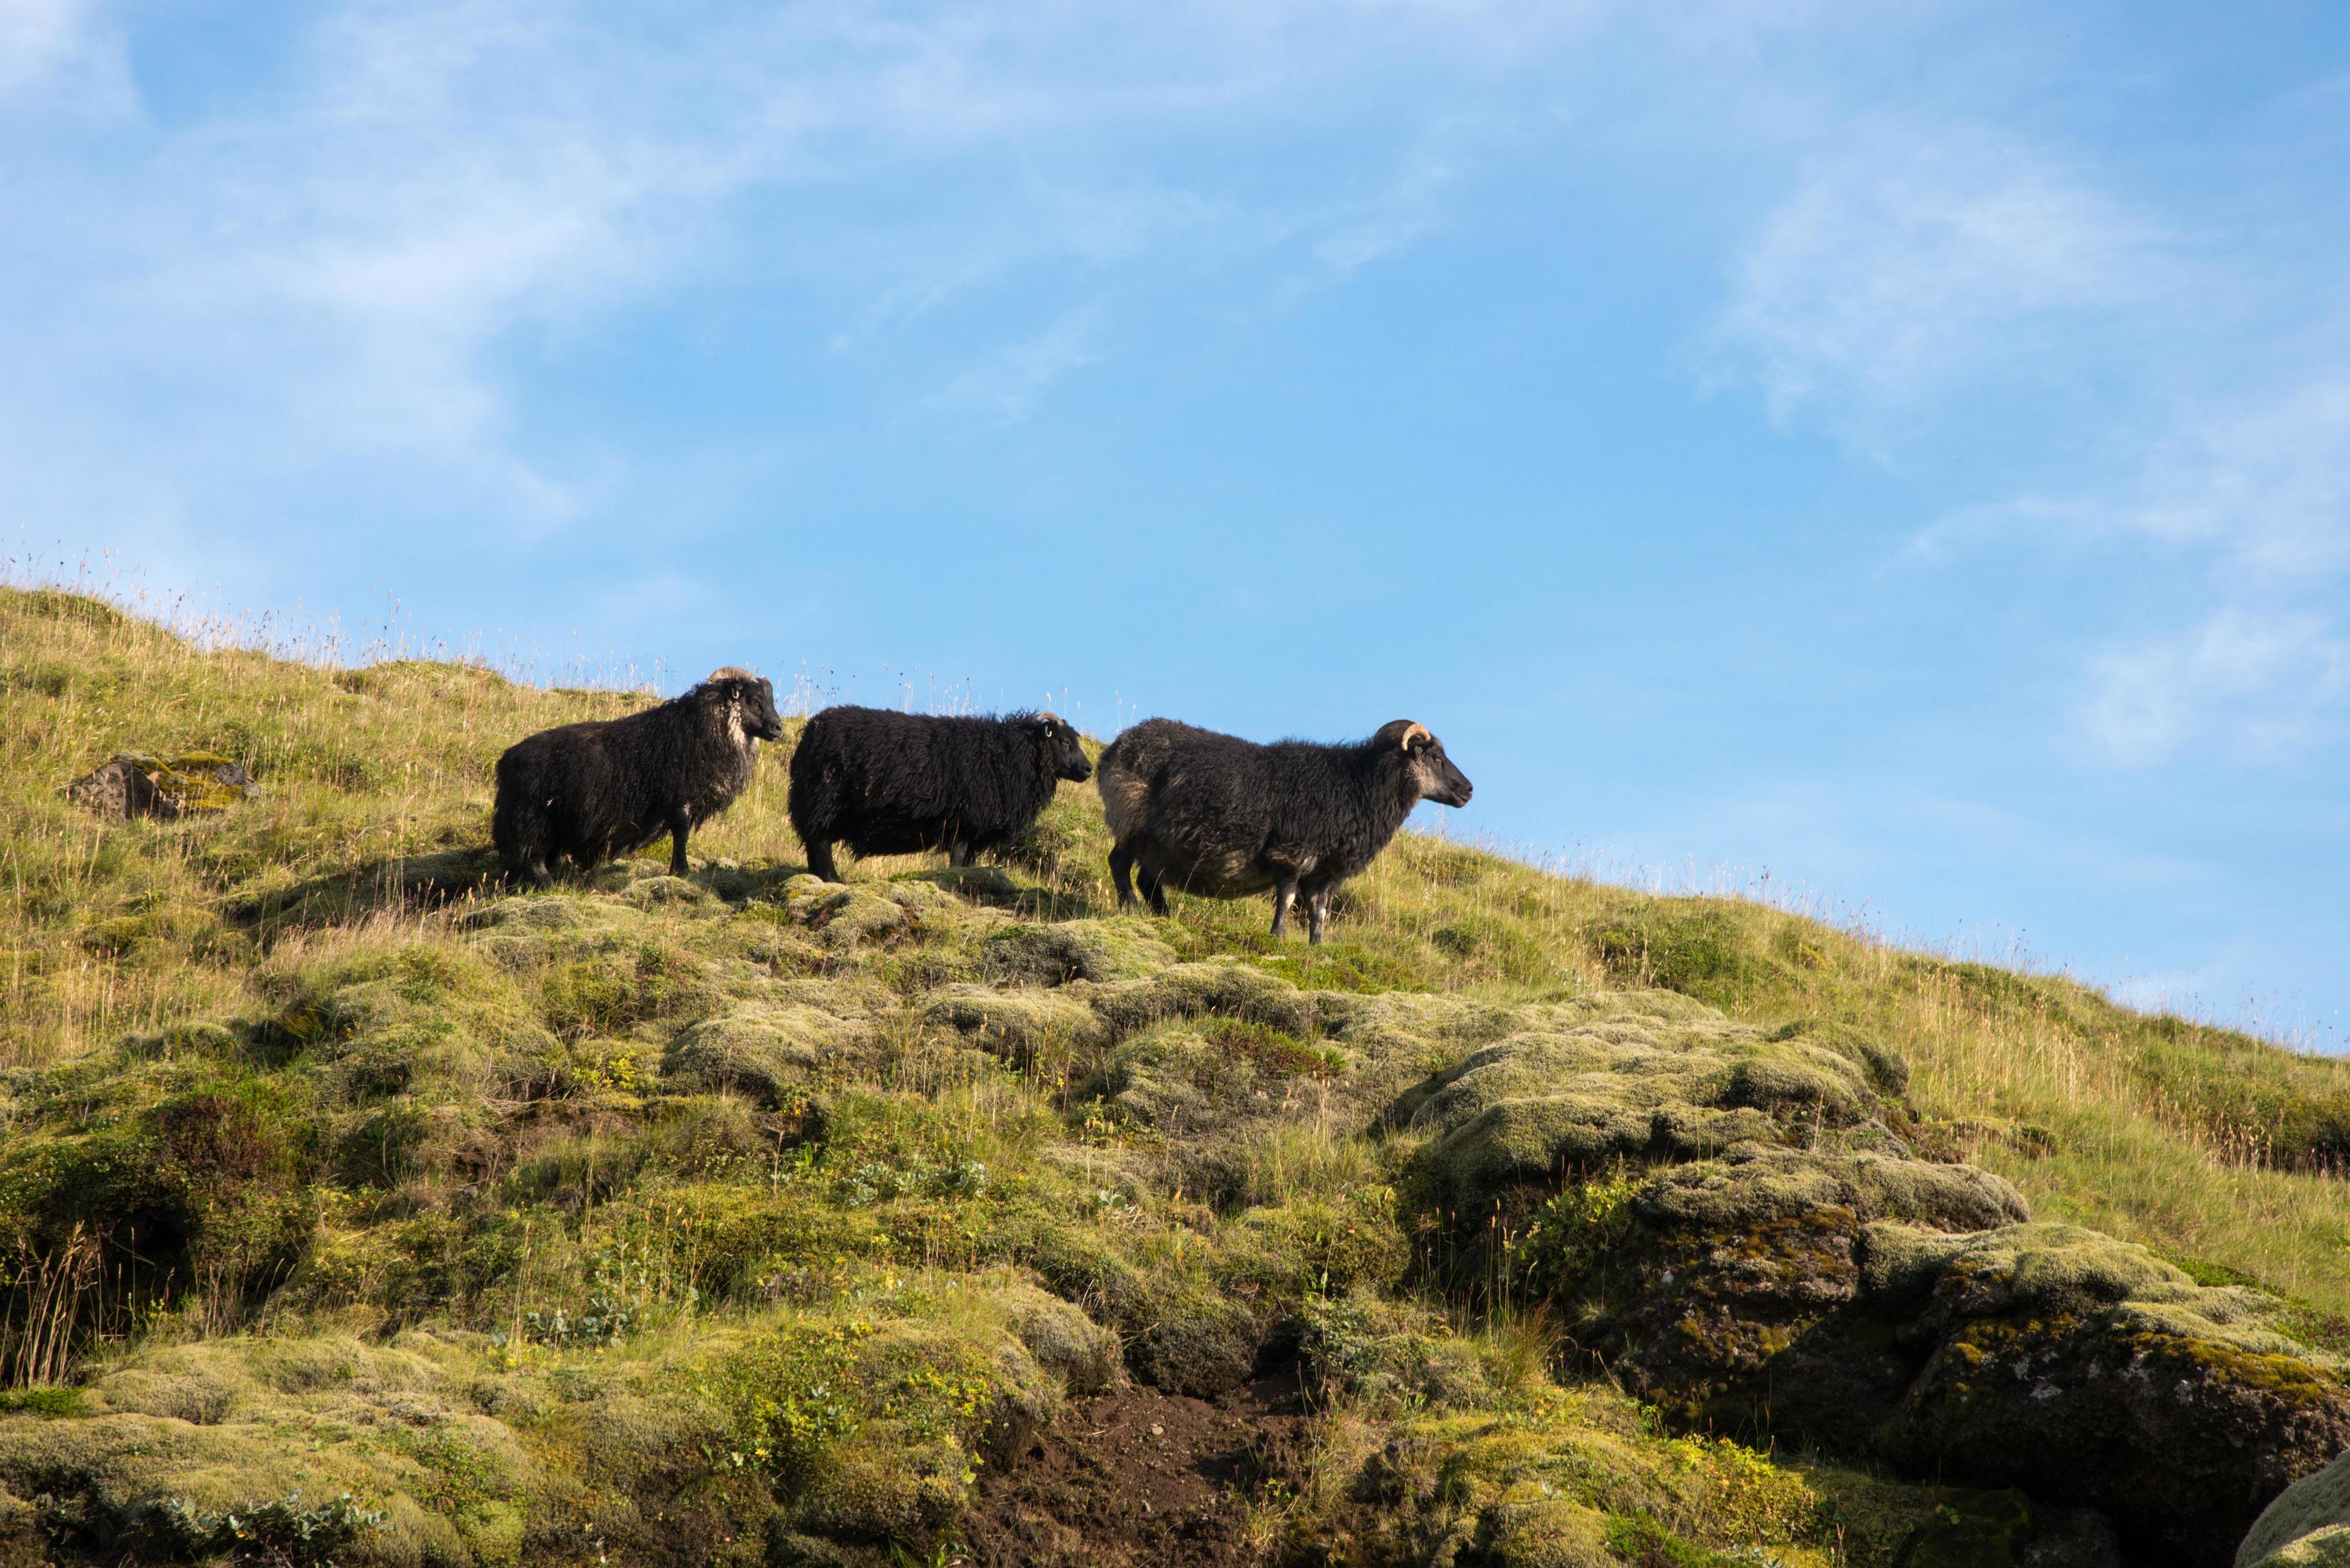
1417, 731
731, 672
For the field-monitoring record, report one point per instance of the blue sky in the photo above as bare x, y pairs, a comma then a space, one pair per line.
1897, 450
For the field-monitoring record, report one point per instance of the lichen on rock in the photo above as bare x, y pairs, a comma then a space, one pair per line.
190, 783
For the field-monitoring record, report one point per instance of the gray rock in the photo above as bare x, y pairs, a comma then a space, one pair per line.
133, 785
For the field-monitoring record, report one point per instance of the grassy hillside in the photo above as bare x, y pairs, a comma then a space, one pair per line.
354, 1212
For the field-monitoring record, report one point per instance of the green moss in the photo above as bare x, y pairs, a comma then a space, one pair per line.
772, 1054
1211, 1071
1574, 1234
2308, 1525
1345, 966
1887, 1071
1389, 1357
1025, 1027
1190, 989
1599, 1081
612, 993
1560, 1476
53, 1402
1064, 951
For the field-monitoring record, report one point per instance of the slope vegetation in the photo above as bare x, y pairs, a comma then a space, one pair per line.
354, 1212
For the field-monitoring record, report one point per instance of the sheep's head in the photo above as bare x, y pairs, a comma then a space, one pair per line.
1422, 757
747, 702
1057, 739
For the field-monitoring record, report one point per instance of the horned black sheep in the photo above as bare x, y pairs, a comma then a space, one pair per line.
890, 783
1217, 814
588, 792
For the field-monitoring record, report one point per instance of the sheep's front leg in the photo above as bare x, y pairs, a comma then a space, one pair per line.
679, 825
1317, 914
1121, 866
1284, 893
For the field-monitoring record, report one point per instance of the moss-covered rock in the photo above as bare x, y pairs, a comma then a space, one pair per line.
1066, 1341
1200, 1341
2093, 1373
1389, 1357
1577, 1477
1888, 1069
357, 1452
1785, 1264
187, 783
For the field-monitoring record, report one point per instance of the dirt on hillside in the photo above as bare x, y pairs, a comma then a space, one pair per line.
1138, 1477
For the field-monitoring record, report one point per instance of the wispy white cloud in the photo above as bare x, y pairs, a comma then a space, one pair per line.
2243, 686
2268, 489
1404, 209
1004, 388
43, 39
2257, 501
338, 273
1938, 274
1893, 269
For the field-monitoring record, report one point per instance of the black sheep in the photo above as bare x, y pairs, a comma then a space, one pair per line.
1217, 814
890, 783
589, 792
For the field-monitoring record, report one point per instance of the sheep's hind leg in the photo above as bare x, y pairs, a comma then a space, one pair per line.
819, 858
1317, 914
1284, 893
680, 824
959, 853
1155, 890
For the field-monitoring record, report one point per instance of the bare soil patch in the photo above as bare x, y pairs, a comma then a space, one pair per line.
1138, 1477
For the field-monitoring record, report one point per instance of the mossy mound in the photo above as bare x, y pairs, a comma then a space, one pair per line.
2308, 1526
1567, 1480
1021, 1026
1208, 1074
329, 1450
866, 1427
1226, 987
1649, 1083
770, 1052
1055, 953
861, 914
